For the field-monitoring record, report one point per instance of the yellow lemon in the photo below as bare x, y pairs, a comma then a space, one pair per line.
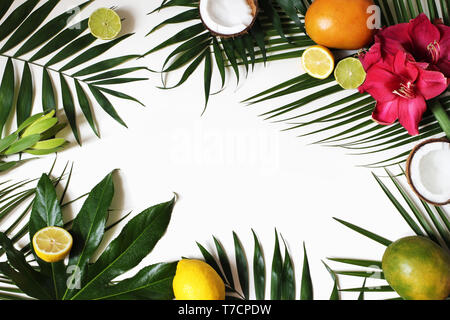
52, 244
197, 280
318, 61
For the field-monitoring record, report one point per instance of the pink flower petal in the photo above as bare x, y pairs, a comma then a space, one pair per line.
423, 33
410, 113
430, 84
404, 68
380, 84
386, 112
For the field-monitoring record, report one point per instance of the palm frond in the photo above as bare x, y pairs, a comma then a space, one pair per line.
282, 274
277, 34
27, 33
423, 220
346, 122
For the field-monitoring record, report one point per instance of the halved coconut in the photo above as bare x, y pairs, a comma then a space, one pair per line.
228, 18
428, 171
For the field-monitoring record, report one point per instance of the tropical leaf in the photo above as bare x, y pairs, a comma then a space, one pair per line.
415, 218
274, 36
51, 42
282, 284
346, 122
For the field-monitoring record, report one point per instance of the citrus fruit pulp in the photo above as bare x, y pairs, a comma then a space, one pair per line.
52, 244
349, 73
105, 24
318, 61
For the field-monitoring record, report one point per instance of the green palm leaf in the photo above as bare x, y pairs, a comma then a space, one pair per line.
347, 122
57, 41
415, 218
274, 36
282, 283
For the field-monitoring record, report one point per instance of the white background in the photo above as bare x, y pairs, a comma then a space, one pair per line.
232, 170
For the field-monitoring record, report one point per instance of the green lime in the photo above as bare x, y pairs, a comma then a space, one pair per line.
349, 73
105, 24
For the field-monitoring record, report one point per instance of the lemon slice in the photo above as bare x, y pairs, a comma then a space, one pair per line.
318, 62
105, 24
52, 244
349, 73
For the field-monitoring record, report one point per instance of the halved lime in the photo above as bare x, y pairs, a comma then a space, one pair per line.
349, 73
105, 24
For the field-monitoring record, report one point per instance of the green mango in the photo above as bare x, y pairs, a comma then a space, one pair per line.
417, 269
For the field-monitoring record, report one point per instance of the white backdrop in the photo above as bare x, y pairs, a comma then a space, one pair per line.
232, 170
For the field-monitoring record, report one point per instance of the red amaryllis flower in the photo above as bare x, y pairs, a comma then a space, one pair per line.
400, 85
422, 39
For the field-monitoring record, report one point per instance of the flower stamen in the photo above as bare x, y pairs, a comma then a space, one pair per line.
406, 91
435, 50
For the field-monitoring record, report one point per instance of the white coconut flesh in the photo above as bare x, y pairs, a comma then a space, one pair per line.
429, 171
226, 17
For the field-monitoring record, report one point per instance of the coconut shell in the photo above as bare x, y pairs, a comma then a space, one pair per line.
408, 169
255, 9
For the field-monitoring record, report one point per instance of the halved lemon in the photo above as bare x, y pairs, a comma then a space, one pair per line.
105, 24
52, 244
318, 61
349, 73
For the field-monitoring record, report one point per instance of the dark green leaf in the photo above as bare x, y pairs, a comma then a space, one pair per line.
25, 97
183, 35
6, 94
16, 17
69, 107
106, 105
89, 225
26, 278
104, 65
207, 75
209, 259
49, 30
118, 94
359, 262
277, 269
46, 212
48, 94
71, 49
400, 209
114, 73
242, 265
85, 106
29, 25
4, 6
224, 262
150, 283
306, 291
93, 52
259, 270
179, 18
366, 233
287, 278
135, 242
62, 39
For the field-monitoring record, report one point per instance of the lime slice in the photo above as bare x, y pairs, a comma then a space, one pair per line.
105, 24
349, 73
